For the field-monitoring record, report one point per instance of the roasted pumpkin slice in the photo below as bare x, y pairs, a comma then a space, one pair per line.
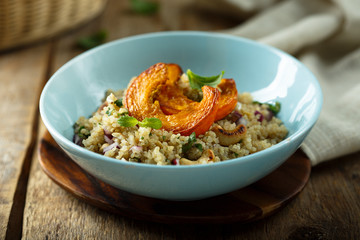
228, 98
171, 98
173, 101
140, 100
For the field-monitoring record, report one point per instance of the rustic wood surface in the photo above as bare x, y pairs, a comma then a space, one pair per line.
34, 207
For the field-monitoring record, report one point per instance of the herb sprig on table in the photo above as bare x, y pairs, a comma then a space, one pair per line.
91, 41
144, 7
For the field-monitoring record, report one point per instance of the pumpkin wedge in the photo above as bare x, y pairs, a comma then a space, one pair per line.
140, 100
173, 101
228, 98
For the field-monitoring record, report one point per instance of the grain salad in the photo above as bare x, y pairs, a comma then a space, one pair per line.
249, 127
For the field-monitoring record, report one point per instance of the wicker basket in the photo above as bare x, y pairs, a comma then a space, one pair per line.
26, 21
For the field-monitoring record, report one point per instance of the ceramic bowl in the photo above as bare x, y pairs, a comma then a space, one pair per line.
77, 88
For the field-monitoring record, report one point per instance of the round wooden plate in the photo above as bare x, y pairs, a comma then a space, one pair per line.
251, 203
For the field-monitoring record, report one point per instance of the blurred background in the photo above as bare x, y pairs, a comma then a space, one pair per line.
27, 22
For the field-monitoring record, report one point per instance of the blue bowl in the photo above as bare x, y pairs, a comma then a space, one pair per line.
269, 74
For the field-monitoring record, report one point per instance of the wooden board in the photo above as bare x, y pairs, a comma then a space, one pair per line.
251, 203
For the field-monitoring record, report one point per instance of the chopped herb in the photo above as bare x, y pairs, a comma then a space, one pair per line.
163, 137
92, 41
144, 6
236, 154
187, 146
127, 121
275, 108
80, 128
135, 159
197, 82
150, 134
199, 146
81, 135
154, 123
109, 112
119, 102
142, 138
124, 113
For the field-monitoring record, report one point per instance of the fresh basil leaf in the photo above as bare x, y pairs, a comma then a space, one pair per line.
92, 41
197, 81
144, 7
154, 123
127, 121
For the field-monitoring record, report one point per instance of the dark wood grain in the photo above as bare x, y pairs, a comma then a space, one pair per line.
251, 203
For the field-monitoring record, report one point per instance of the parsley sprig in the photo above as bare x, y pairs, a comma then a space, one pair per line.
191, 140
128, 121
197, 81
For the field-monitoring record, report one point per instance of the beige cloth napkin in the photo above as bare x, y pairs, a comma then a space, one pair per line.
325, 36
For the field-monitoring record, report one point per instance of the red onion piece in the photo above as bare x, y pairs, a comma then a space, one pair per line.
175, 161
261, 118
77, 140
234, 116
111, 146
108, 140
269, 116
107, 133
242, 121
108, 136
136, 149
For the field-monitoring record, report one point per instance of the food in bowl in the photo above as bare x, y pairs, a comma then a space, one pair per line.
167, 117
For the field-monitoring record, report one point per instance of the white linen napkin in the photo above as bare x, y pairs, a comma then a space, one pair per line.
325, 36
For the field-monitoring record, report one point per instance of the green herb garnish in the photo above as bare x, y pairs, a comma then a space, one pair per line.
119, 102
275, 108
197, 82
144, 7
92, 41
198, 146
109, 112
154, 123
187, 146
81, 135
128, 121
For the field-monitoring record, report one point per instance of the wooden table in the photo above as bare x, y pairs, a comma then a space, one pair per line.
34, 207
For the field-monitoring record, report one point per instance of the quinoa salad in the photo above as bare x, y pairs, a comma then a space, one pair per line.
166, 122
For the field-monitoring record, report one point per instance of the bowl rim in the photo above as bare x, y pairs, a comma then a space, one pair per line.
85, 152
